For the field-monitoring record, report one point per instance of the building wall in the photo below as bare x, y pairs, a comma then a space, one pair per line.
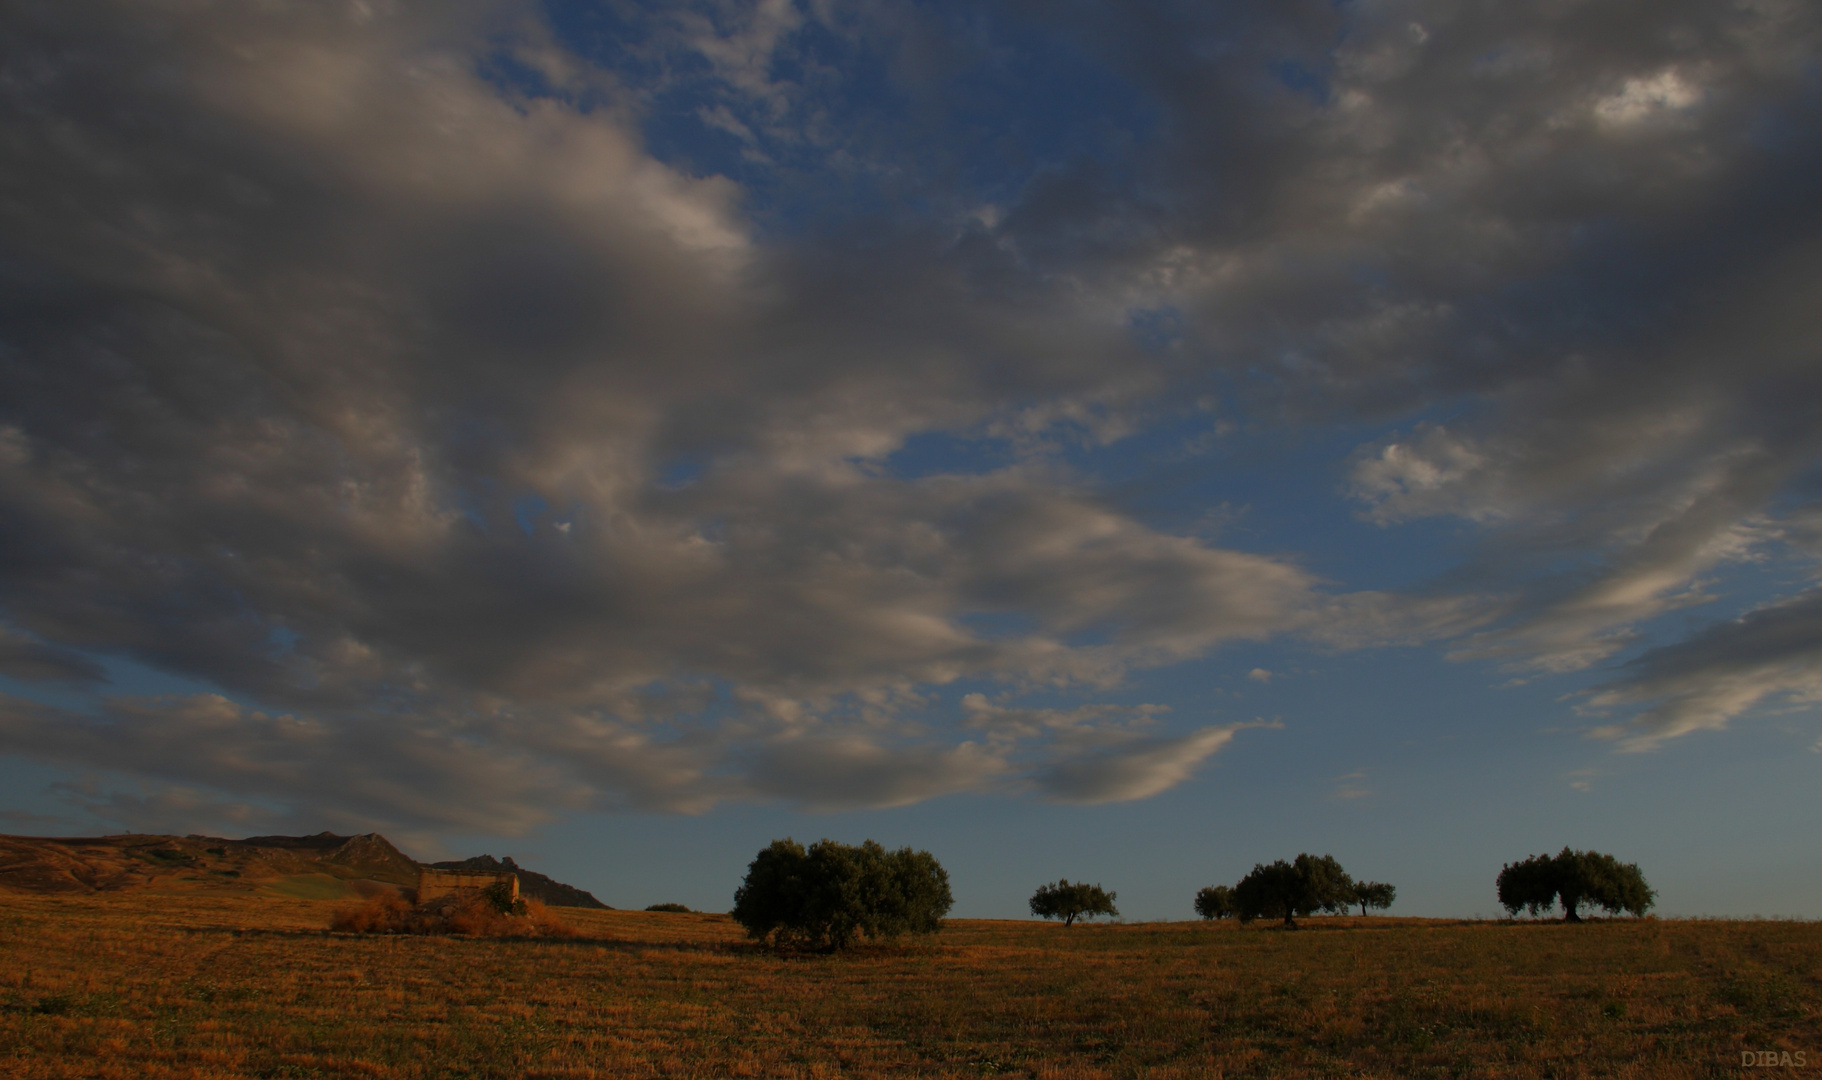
435, 883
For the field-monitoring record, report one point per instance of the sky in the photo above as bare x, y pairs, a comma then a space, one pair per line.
1123, 442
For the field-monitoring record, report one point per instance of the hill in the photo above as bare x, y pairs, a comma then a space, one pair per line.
532, 884
325, 866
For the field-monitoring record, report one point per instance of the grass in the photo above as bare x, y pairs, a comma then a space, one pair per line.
196, 985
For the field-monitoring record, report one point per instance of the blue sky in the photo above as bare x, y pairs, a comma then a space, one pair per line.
1123, 442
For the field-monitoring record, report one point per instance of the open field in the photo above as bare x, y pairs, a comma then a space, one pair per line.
154, 984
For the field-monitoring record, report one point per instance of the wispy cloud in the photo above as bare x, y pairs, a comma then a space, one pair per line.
1137, 769
1350, 787
1768, 657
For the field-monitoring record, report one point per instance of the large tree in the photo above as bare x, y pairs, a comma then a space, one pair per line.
833, 894
1575, 878
1304, 886
1069, 902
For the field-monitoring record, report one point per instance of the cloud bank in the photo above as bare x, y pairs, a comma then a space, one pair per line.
465, 407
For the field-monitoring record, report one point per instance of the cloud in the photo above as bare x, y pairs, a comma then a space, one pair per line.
849, 772
1769, 655
1351, 786
34, 661
438, 399
160, 808
1138, 769
353, 769
1259, 675
1643, 500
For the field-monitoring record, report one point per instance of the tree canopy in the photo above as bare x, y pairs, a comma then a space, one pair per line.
1068, 902
1215, 902
1284, 890
1575, 878
1374, 894
833, 894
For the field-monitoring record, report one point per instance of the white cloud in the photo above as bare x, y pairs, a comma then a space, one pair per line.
1421, 477
1647, 96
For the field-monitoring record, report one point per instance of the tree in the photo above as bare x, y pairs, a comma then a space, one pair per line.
1530, 885
1373, 894
1575, 878
1215, 902
833, 894
1069, 902
1286, 889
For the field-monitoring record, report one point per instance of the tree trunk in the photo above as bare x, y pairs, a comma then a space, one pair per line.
1069, 919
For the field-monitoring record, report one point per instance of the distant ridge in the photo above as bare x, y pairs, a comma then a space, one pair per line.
369, 852
531, 883
323, 866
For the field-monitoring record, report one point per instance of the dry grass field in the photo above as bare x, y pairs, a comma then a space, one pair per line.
153, 984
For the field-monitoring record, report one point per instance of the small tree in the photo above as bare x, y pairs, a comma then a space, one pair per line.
1069, 902
833, 894
1575, 878
1373, 894
1215, 902
1286, 889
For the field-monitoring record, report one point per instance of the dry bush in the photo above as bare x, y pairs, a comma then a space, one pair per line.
468, 913
381, 914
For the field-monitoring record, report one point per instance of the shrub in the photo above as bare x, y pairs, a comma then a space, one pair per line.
499, 894
470, 913
1070, 902
832, 895
383, 914
678, 908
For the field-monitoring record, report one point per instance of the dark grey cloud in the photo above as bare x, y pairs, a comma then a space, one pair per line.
364, 768
34, 661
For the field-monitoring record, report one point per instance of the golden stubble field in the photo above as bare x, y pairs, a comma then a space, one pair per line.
193, 985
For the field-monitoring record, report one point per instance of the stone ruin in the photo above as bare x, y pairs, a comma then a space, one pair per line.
479, 903
434, 884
